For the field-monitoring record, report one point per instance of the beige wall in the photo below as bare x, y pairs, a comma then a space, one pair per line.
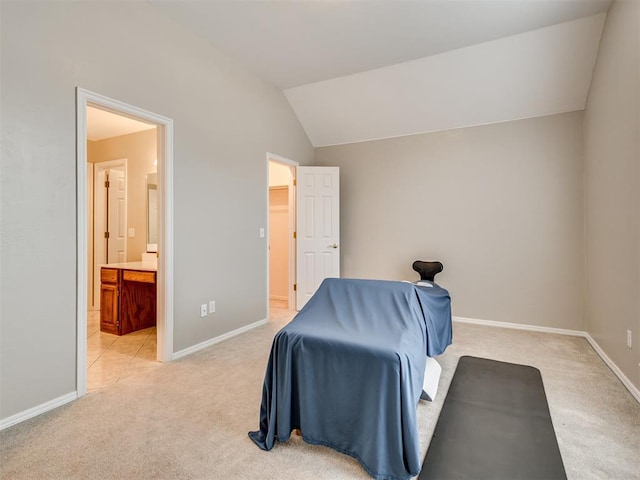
140, 151
225, 121
500, 205
612, 183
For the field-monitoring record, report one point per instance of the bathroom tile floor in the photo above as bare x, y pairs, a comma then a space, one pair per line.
111, 358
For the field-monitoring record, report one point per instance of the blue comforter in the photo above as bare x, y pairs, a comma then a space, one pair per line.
348, 371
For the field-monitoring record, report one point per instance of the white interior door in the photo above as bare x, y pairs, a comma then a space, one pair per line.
116, 216
100, 218
318, 229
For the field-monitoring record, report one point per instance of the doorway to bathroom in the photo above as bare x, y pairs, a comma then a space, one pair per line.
125, 254
119, 214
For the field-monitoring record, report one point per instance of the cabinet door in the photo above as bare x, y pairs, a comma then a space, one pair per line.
137, 301
109, 308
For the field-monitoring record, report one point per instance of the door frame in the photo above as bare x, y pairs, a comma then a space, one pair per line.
292, 164
98, 191
164, 125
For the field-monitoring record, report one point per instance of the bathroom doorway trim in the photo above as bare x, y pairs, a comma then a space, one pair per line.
164, 126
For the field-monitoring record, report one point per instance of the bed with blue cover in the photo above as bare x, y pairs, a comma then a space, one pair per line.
348, 370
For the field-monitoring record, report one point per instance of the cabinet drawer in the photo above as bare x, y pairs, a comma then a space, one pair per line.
134, 276
108, 275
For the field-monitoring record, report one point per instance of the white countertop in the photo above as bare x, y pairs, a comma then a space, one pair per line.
131, 266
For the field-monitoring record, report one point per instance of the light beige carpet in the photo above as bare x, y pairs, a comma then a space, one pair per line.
189, 419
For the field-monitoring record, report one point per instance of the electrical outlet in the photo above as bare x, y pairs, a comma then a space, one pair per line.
203, 310
629, 339
212, 306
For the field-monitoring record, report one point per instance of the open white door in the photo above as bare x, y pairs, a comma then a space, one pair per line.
116, 216
102, 197
318, 229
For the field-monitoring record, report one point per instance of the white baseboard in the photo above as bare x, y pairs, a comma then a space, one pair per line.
561, 331
519, 326
221, 338
614, 368
37, 410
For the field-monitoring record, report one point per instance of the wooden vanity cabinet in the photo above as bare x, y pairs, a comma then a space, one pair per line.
109, 300
127, 300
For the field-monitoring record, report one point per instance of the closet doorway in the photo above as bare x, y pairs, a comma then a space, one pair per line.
281, 238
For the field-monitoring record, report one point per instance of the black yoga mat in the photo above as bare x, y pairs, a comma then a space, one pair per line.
494, 424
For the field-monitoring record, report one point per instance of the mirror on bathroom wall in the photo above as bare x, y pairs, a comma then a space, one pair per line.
152, 212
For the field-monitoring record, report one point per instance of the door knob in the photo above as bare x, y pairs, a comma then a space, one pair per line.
333, 245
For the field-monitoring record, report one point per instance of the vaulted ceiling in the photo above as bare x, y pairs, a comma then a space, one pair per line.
362, 70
